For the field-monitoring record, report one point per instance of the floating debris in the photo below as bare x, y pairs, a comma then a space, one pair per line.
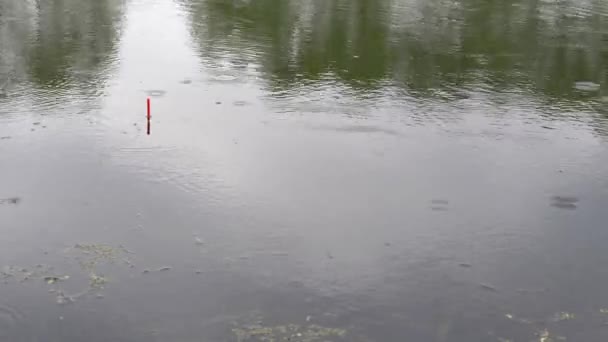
465, 265
146, 271
198, 241
604, 311
166, 268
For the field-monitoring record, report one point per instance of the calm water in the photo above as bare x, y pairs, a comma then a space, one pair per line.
317, 170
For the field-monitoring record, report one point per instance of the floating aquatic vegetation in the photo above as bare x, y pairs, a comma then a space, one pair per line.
545, 336
289, 332
561, 316
54, 279
100, 250
62, 298
23, 274
518, 319
604, 311
97, 253
96, 282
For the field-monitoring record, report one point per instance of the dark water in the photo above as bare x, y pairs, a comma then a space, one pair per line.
317, 170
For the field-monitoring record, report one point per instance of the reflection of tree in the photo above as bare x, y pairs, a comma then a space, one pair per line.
13, 36
73, 34
58, 39
423, 44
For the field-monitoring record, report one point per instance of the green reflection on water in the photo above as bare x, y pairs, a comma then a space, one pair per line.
536, 46
58, 43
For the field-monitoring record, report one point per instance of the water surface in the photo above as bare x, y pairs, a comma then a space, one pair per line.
317, 170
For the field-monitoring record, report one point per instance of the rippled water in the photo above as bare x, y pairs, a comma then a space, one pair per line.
344, 170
